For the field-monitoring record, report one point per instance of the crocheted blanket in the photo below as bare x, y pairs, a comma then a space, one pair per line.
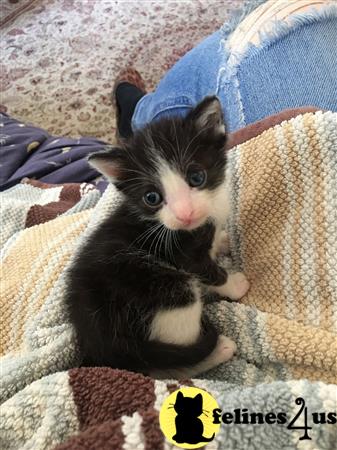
283, 233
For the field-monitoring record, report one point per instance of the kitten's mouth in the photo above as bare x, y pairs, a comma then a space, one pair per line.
192, 224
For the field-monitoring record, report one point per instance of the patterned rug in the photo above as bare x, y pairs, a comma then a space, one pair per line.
60, 57
10, 9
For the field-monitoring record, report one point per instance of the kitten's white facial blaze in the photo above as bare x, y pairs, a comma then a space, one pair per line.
185, 208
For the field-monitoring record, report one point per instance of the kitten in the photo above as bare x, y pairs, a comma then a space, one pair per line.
189, 428
135, 288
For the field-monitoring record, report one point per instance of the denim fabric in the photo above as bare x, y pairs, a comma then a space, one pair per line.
296, 66
297, 69
184, 85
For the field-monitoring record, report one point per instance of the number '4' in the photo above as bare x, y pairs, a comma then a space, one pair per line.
300, 401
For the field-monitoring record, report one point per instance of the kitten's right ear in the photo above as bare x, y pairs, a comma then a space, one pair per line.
207, 115
110, 163
198, 398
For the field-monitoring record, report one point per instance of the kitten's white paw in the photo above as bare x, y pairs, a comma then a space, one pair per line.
235, 287
238, 285
224, 350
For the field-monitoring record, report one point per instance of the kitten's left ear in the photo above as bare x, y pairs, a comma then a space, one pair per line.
208, 115
110, 163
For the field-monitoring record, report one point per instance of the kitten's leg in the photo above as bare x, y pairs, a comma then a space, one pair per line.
224, 244
208, 272
167, 360
223, 351
220, 245
235, 287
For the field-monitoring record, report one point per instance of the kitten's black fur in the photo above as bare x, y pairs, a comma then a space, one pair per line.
189, 428
117, 283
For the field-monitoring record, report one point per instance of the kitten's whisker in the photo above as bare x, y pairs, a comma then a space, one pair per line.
146, 234
161, 240
185, 153
178, 245
94, 317
149, 171
135, 186
166, 248
192, 140
187, 161
197, 135
169, 244
161, 136
171, 234
164, 241
137, 178
156, 240
136, 163
151, 231
175, 159
137, 172
174, 150
143, 235
130, 155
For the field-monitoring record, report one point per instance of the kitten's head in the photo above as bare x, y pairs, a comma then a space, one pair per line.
188, 406
173, 170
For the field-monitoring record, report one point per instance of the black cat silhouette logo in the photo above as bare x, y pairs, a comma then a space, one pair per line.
188, 425
186, 418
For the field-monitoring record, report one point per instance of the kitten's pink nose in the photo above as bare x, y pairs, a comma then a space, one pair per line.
185, 217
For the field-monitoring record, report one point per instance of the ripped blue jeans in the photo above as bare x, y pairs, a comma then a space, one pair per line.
294, 65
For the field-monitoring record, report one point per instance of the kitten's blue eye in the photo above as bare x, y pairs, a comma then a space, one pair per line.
152, 198
196, 178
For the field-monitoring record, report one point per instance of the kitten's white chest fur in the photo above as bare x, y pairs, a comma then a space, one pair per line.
180, 326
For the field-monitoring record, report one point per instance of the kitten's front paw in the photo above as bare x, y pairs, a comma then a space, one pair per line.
224, 350
235, 287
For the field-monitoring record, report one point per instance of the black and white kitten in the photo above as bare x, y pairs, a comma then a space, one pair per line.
135, 288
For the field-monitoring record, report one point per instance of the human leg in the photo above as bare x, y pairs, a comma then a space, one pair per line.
291, 66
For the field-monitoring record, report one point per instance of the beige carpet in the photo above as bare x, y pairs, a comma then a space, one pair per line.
60, 57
